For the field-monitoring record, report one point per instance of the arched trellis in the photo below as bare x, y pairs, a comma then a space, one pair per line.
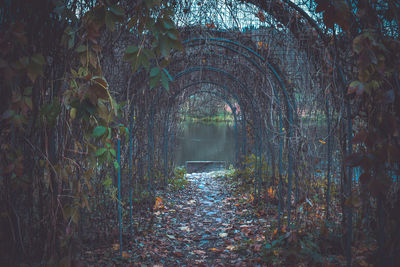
221, 42
253, 111
252, 57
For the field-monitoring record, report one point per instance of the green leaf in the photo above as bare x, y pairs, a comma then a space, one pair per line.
164, 81
72, 113
116, 165
107, 182
100, 151
154, 81
165, 46
173, 35
112, 151
75, 216
71, 41
168, 24
110, 21
81, 48
34, 70
131, 49
99, 131
154, 72
38, 59
117, 11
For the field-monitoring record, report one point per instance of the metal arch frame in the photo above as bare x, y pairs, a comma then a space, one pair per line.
280, 82
291, 106
258, 145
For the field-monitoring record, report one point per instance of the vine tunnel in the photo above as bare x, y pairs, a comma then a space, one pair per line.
313, 95
257, 97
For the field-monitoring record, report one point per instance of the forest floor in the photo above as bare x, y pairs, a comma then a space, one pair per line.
201, 224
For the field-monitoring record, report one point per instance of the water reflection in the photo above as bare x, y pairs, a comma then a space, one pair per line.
205, 141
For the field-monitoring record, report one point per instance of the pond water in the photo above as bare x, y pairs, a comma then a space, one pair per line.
204, 142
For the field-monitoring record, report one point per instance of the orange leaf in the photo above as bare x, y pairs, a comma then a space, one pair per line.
211, 25
271, 192
159, 204
275, 232
115, 246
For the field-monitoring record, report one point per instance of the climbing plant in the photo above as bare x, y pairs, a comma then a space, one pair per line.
60, 118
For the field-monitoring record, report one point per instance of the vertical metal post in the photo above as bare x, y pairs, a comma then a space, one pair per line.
150, 152
280, 170
259, 158
290, 163
244, 133
348, 209
119, 194
130, 168
166, 137
328, 172
236, 136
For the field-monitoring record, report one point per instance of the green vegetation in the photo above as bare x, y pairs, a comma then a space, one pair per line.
178, 180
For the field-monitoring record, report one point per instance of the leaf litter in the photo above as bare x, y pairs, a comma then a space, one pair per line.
201, 224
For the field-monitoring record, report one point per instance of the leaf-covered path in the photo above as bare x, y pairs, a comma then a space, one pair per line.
201, 225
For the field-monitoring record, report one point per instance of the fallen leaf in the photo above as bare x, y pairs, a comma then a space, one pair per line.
178, 254
185, 228
115, 246
230, 247
199, 252
159, 204
171, 236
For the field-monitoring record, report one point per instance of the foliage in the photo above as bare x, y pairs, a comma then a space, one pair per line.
51, 86
374, 95
246, 174
178, 180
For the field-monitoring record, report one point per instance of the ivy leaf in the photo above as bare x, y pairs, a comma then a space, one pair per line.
164, 81
132, 49
173, 35
154, 72
38, 59
99, 131
116, 165
117, 11
72, 113
168, 23
81, 48
155, 76
112, 151
110, 21
107, 182
100, 151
